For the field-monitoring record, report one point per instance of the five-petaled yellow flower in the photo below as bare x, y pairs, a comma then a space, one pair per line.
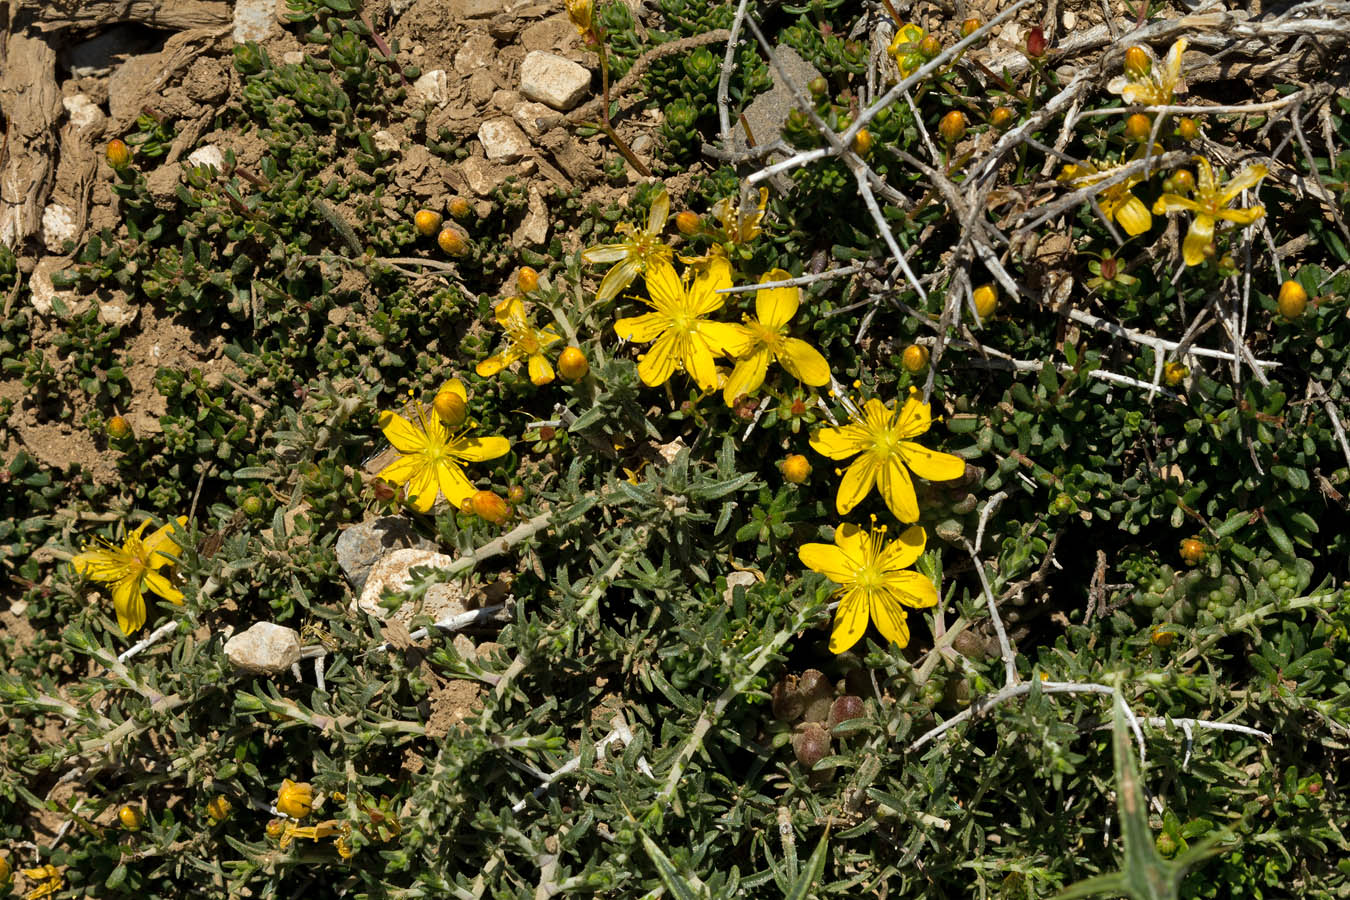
682, 337
133, 568
523, 341
881, 436
765, 342
1211, 203
431, 454
636, 253
1118, 200
1155, 86
874, 581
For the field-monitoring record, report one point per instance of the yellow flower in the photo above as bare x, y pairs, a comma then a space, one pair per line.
132, 569
1211, 203
873, 581
48, 879
905, 49
1118, 200
581, 12
218, 808
523, 341
639, 251
881, 435
683, 338
1154, 85
431, 454
765, 342
295, 799
741, 226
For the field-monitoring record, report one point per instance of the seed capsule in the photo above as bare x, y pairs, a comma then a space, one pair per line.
1036, 42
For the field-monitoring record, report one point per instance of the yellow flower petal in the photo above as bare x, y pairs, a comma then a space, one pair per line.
889, 617
897, 489
642, 328
804, 362
915, 418
129, 604
1242, 216
659, 212
726, 338
747, 376
1173, 203
422, 488
493, 364
401, 470
1133, 216
931, 464
665, 288
405, 437
850, 621
1248, 177
657, 364
605, 253
162, 586
1204, 176
510, 313
618, 278
852, 540
912, 589
857, 483
699, 362
904, 551
160, 546
455, 386
775, 307
703, 296
479, 449
102, 565
541, 371
829, 560
840, 443
1198, 238
453, 483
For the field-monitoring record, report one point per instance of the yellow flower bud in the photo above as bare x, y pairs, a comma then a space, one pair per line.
131, 817
516, 494
1193, 551
275, 827
527, 280
427, 222
1162, 636
1138, 127
452, 241
915, 358
688, 222
953, 126
490, 508
1002, 117
1183, 181
460, 208
572, 364
119, 429
1187, 129
862, 142
970, 26
6, 873
986, 300
582, 14
1137, 62
1174, 373
118, 154
1293, 300
795, 468
929, 47
295, 799
450, 407
218, 808
466, 506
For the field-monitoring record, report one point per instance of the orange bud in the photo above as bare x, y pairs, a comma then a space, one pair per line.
915, 358
427, 222
527, 280
119, 429
688, 222
460, 208
118, 153
295, 799
1137, 62
490, 508
1183, 181
986, 300
572, 364
1187, 129
452, 241
1193, 551
218, 808
795, 468
450, 408
1138, 127
970, 26
1002, 117
1293, 300
131, 817
516, 494
929, 47
862, 142
1174, 373
1162, 636
953, 126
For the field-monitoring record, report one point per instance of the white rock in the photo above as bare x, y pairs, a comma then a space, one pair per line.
253, 19
554, 80
478, 52
393, 573
739, 577
431, 87
386, 141
533, 230
83, 112
43, 293
293, 57
264, 649
208, 155
502, 140
527, 115
58, 227
116, 313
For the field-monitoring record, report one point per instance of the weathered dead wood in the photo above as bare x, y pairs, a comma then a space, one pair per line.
91, 15
30, 102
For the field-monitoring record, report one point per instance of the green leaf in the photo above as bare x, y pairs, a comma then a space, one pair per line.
801, 888
680, 887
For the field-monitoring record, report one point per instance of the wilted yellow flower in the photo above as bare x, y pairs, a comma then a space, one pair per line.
681, 337
1118, 200
48, 879
582, 13
905, 50
133, 568
295, 799
219, 807
874, 581
1210, 203
741, 225
881, 436
431, 454
1151, 84
523, 341
765, 341
636, 253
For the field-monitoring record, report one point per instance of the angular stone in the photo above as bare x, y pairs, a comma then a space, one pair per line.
264, 649
527, 116
359, 547
551, 79
394, 573
58, 227
478, 52
766, 113
502, 140
253, 19
533, 230
208, 155
475, 9
432, 87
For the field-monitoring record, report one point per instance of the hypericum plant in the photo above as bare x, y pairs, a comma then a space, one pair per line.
133, 568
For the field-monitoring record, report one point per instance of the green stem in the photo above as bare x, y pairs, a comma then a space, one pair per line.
605, 124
